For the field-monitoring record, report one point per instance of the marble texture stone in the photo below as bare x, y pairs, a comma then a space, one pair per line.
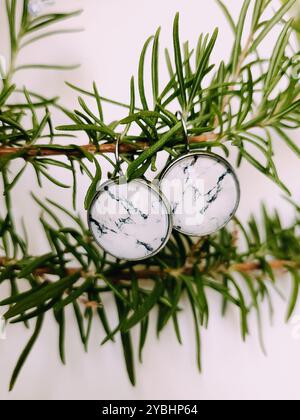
203, 192
130, 221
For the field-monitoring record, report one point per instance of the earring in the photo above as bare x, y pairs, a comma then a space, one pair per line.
130, 220
202, 189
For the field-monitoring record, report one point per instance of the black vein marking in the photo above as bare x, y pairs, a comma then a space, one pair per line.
195, 160
218, 187
221, 178
175, 207
204, 210
127, 205
193, 163
104, 230
185, 169
215, 196
147, 246
121, 222
211, 196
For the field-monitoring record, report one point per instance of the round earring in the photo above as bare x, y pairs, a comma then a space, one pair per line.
130, 220
202, 189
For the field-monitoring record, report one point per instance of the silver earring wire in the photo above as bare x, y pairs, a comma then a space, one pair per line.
179, 116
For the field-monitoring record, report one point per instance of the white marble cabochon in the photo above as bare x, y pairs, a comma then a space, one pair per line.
129, 221
203, 193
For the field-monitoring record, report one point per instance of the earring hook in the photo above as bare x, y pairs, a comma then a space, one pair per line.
179, 116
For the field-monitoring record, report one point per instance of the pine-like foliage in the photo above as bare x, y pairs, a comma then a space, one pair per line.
235, 106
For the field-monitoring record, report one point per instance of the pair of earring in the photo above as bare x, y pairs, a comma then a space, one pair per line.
197, 194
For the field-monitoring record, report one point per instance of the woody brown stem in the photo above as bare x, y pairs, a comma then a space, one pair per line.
37, 150
255, 266
246, 267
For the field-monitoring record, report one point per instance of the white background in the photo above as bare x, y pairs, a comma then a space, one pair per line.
115, 31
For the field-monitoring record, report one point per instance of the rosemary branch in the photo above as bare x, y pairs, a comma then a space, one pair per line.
38, 150
147, 274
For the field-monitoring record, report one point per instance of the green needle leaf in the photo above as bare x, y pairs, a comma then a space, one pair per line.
178, 61
36, 263
295, 292
152, 150
126, 343
271, 23
277, 56
202, 67
93, 187
141, 81
143, 311
239, 32
73, 295
227, 15
26, 351
155, 68
39, 297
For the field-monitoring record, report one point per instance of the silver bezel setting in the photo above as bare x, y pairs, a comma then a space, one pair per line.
161, 196
216, 157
